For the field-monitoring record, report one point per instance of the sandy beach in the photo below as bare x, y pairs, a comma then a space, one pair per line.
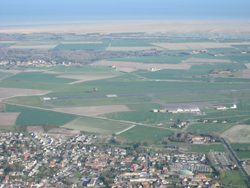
105, 27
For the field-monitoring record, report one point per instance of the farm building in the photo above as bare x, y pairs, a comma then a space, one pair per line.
198, 140
220, 107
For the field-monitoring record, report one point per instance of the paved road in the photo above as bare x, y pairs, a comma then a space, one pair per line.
152, 94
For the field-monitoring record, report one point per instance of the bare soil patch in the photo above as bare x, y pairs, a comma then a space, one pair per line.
238, 134
37, 129
84, 78
33, 46
132, 48
248, 65
11, 71
8, 118
205, 60
246, 73
13, 92
136, 65
93, 110
64, 131
193, 46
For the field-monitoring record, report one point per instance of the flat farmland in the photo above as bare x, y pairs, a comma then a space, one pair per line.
141, 133
246, 73
241, 58
39, 77
208, 127
138, 65
145, 106
91, 46
132, 48
221, 50
33, 46
100, 101
29, 116
93, 110
238, 133
204, 96
35, 101
206, 148
243, 154
84, 78
146, 117
211, 66
194, 46
4, 74
31, 85
154, 59
205, 60
96, 125
7, 118
12, 92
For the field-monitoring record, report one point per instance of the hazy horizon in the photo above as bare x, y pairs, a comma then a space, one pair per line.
27, 11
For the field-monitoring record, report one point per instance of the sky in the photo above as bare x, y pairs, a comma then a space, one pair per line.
83, 10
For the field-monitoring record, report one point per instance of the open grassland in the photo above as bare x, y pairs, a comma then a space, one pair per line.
7, 127
139, 65
35, 101
146, 117
208, 127
93, 110
206, 148
247, 122
106, 87
100, 101
145, 106
234, 178
86, 70
241, 47
221, 50
211, 66
31, 85
30, 116
141, 133
243, 154
154, 59
96, 125
4, 74
240, 58
132, 48
239, 133
95, 46
39, 77
7, 118
206, 60
236, 146
204, 96
12, 92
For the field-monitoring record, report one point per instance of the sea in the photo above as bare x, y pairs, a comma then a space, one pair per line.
14, 13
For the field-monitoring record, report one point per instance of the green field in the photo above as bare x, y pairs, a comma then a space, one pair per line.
204, 96
236, 146
231, 80
146, 117
7, 127
243, 154
34, 101
221, 50
207, 148
39, 77
211, 66
101, 46
4, 74
29, 116
32, 85
240, 58
140, 133
100, 101
208, 127
242, 47
234, 178
106, 87
96, 125
247, 122
145, 107
154, 59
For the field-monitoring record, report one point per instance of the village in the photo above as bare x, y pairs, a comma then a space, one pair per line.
37, 160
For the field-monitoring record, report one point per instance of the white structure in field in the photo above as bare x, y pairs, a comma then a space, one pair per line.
233, 107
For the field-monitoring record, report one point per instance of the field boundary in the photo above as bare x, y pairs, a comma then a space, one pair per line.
125, 130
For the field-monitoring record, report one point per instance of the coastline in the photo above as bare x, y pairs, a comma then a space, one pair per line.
135, 26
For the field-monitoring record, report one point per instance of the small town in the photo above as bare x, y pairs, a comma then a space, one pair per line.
38, 160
